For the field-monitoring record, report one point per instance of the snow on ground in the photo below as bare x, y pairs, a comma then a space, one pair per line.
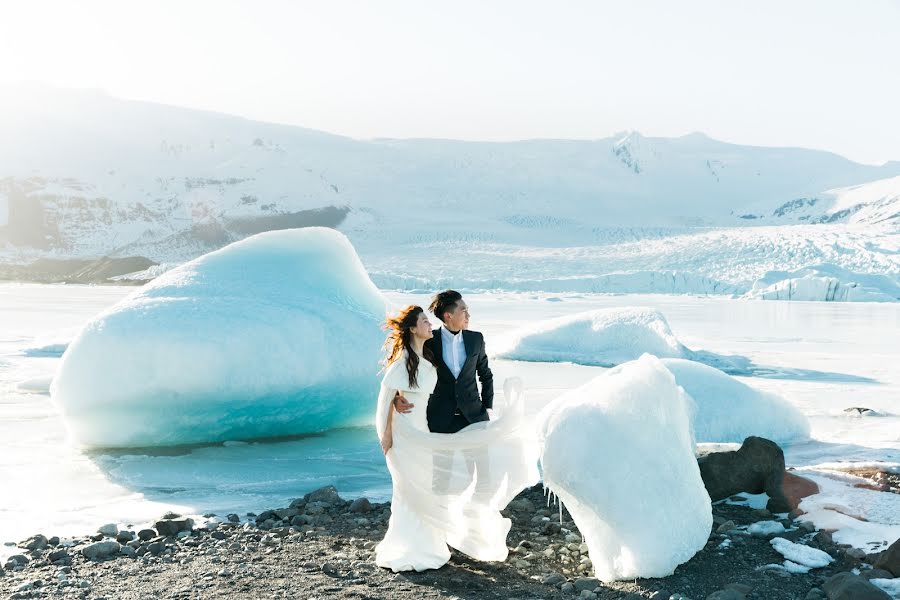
728, 410
828, 283
764, 528
620, 447
863, 518
275, 335
890, 586
800, 554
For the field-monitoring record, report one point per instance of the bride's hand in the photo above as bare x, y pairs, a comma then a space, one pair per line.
387, 441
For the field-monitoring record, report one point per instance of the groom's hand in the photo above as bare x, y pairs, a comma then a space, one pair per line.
401, 404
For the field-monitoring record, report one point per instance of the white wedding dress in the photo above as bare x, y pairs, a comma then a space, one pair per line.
449, 489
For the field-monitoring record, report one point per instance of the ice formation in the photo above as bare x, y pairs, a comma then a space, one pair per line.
729, 410
799, 554
764, 528
604, 337
826, 282
618, 452
275, 335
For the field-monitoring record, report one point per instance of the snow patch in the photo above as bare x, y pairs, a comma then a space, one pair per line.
799, 554
765, 528
890, 586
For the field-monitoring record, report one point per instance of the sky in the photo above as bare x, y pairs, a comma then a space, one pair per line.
810, 73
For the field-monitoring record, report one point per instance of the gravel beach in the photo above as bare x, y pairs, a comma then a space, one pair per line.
321, 546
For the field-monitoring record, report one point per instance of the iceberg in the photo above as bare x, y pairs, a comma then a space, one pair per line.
828, 283
729, 410
604, 337
618, 452
607, 337
278, 334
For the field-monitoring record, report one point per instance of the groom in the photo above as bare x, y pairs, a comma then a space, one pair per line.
459, 355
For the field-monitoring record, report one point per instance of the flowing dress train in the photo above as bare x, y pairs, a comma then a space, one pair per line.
449, 489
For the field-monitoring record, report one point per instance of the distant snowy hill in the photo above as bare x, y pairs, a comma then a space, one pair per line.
85, 175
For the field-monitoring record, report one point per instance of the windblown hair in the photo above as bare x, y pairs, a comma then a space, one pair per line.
400, 338
443, 302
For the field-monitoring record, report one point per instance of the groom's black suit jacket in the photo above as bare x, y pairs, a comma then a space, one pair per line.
460, 394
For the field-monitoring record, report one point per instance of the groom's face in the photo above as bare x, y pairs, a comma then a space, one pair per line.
457, 319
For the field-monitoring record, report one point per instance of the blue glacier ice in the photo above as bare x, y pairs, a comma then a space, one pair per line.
275, 335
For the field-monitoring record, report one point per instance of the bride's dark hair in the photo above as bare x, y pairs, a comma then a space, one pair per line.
400, 338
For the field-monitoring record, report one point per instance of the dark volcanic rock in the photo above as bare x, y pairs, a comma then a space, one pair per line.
889, 560
170, 527
847, 586
757, 467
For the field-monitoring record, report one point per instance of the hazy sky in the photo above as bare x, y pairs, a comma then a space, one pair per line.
813, 73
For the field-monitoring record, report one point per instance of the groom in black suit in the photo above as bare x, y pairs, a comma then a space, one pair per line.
459, 355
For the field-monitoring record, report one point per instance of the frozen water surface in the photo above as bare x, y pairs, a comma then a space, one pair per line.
820, 357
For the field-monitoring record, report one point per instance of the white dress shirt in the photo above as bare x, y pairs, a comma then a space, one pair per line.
454, 350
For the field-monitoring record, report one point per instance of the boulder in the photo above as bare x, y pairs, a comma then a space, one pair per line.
889, 559
756, 467
171, 527
847, 586
35, 542
360, 505
100, 550
327, 494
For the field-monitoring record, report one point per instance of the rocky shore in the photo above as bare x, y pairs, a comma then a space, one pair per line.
321, 546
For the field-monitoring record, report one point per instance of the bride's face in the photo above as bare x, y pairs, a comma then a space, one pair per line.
422, 330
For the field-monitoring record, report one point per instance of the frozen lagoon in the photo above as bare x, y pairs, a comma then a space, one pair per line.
822, 357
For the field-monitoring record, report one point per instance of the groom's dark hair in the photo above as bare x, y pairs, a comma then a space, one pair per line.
444, 301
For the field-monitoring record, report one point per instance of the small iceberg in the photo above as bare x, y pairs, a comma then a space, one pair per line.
607, 337
728, 410
618, 452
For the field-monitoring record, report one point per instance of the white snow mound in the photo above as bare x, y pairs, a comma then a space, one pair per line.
604, 337
729, 410
278, 334
618, 452
799, 554
828, 283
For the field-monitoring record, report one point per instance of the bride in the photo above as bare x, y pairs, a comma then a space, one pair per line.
448, 489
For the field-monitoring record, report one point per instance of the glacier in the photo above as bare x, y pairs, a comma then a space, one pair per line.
621, 446
729, 410
828, 283
278, 334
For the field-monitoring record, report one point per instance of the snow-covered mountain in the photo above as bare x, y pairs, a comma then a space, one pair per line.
83, 174
877, 202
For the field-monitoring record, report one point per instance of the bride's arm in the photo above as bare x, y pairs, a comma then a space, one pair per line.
384, 417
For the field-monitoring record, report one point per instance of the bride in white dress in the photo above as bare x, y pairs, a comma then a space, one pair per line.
446, 502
